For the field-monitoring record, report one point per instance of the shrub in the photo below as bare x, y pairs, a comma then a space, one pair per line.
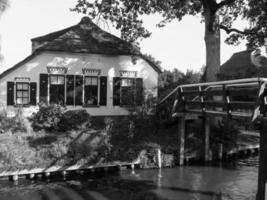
74, 119
225, 132
18, 123
47, 118
90, 147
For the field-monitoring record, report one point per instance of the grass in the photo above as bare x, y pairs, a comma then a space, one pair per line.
117, 139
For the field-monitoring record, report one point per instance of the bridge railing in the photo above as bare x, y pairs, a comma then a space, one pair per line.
241, 98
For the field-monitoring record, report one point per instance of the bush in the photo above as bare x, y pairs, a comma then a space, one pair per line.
47, 118
54, 118
18, 123
75, 119
225, 132
90, 147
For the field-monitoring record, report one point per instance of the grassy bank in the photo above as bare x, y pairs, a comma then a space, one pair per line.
54, 136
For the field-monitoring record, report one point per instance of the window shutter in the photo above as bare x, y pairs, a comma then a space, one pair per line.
116, 90
43, 88
139, 91
79, 90
70, 90
10, 93
103, 91
33, 93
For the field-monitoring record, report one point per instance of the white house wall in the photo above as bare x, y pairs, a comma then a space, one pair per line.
109, 66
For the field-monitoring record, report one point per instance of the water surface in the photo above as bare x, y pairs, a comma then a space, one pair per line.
234, 180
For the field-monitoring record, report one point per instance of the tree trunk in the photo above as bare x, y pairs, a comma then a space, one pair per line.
213, 45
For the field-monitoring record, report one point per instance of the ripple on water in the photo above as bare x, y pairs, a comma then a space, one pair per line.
236, 180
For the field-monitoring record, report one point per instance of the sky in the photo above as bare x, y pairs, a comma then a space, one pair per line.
178, 45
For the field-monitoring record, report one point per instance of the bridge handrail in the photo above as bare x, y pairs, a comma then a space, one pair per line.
236, 82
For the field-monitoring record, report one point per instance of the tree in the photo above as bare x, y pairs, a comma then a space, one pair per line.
126, 15
256, 33
3, 6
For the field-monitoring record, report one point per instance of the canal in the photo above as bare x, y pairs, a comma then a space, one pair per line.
234, 180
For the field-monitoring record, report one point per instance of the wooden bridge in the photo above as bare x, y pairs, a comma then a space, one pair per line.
242, 98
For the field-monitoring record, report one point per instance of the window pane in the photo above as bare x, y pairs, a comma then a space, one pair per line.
19, 101
25, 94
19, 94
19, 86
94, 80
90, 97
53, 80
25, 101
61, 80
88, 80
127, 82
57, 80
25, 86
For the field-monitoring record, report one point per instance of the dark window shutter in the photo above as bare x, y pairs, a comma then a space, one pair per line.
78, 90
33, 93
43, 88
139, 91
116, 90
10, 93
70, 90
103, 91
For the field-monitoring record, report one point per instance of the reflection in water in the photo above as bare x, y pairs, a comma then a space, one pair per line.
235, 180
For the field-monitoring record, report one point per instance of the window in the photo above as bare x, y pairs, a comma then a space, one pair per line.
127, 91
22, 93
57, 89
90, 90
73, 90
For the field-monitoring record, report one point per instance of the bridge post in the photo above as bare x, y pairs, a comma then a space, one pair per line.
206, 150
181, 134
262, 174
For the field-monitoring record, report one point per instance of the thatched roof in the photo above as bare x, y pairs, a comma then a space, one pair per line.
240, 65
85, 37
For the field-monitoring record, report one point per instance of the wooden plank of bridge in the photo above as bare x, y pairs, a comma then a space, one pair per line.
181, 133
262, 174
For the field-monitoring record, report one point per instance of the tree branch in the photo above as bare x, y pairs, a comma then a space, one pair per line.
244, 32
224, 3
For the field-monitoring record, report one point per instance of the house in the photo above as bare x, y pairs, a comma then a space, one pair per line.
80, 67
244, 64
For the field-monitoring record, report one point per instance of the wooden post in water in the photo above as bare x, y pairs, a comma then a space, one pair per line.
206, 151
262, 174
181, 133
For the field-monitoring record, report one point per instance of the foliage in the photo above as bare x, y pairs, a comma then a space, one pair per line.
74, 120
47, 117
255, 34
15, 151
54, 118
168, 80
14, 124
127, 15
90, 148
225, 132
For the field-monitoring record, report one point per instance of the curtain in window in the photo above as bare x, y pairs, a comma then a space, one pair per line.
78, 90
70, 90
128, 91
91, 90
57, 89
